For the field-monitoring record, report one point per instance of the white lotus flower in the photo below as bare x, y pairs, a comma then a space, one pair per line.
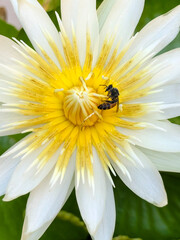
55, 94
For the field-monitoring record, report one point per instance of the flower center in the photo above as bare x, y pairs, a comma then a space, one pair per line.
80, 105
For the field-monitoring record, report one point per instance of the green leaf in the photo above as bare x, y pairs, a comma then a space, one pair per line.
64, 223
7, 29
11, 218
175, 120
66, 216
125, 238
65, 230
137, 218
49, 5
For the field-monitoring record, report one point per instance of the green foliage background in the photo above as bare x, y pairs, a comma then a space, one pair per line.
135, 217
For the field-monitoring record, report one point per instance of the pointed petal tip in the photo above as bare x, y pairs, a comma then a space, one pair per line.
162, 202
7, 198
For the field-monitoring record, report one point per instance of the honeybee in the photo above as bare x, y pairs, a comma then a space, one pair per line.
113, 94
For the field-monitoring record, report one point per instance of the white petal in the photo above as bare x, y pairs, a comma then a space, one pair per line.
167, 94
7, 166
8, 67
92, 202
164, 139
11, 131
8, 116
169, 111
46, 201
165, 71
166, 68
168, 162
15, 5
145, 180
27, 176
37, 24
157, 34
122, 20
8, 54
81, 14
170, 98
8, 51
7, 95
106, 227
9, 119
104, 10
169, 102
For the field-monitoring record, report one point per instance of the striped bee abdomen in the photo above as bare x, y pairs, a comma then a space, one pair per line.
107, 105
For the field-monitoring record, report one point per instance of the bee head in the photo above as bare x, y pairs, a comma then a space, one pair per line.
109, 87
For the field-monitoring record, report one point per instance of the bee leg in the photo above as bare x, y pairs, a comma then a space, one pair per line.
107, 79
109, 94
119, 107
117, 110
